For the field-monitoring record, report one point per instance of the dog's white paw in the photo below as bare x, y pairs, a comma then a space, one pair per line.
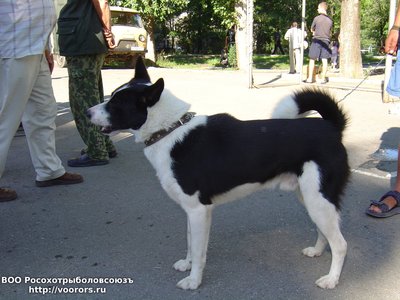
311, 252
183, 265
327, 282
189, 283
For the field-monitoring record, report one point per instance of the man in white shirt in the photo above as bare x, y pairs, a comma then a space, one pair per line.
295, 38
26, 90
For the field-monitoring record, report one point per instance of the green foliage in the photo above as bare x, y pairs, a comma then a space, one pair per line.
160, 10
199, 26
374, 22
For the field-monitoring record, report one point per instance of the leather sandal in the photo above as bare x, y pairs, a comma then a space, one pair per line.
385, 210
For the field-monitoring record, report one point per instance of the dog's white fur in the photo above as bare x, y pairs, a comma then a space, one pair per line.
321, 211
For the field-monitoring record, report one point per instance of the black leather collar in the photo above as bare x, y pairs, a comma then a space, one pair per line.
155, 137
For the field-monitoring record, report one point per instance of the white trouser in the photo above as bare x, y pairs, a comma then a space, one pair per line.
297, 57
26, 94
295, 60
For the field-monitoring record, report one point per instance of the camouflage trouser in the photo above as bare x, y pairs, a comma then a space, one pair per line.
85, 91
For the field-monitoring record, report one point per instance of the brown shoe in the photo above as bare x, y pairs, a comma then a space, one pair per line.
67, 178
7, 195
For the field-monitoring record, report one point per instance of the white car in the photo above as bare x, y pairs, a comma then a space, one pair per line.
129, 35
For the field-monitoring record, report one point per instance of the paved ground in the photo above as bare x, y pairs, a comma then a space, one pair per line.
120, 224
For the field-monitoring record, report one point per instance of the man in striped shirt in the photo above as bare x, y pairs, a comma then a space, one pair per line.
25, 89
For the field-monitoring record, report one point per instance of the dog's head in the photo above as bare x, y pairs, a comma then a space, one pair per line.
128, 105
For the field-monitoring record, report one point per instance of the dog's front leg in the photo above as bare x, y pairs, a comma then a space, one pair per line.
186, 264
199, 219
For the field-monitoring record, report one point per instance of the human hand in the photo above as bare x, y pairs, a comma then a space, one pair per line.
109, 37
391, 42
50, 60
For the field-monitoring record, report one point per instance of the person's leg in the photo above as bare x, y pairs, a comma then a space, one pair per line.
84, 77
292, 60
299, 63
314, 53
325, 54
109, 144
39, 125
281, 49
311, 70
390, 201
16, 82
324, 69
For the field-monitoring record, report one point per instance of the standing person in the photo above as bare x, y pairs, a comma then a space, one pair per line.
278, 42
335, 54
319, 49
389, 204
229, 47
295, 38
84, 29
26, 90
230, 38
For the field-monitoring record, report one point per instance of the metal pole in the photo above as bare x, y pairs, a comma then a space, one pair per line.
389, 58
303, 19
249, 39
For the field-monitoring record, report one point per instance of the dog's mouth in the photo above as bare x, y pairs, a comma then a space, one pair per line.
106, 129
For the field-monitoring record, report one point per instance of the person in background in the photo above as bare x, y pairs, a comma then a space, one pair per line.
389, 204
84, 28
295, 38
319, 49
230, 37
335, 52
26, 91
229, 43
278, 42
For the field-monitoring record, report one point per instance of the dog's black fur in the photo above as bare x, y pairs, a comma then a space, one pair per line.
226, 153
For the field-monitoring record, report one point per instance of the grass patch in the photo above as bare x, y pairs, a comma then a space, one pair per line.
273, 62
188, 61
260, 61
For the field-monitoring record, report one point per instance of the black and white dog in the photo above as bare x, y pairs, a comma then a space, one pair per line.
202, 161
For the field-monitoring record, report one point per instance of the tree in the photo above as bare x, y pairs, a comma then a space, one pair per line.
350, 42
374, 25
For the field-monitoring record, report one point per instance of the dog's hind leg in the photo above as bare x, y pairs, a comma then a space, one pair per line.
199, 222
325, 215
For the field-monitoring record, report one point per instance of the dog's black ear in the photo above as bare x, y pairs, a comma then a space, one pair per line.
153, 92
140, 70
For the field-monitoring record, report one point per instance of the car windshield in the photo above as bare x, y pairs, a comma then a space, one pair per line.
126, 19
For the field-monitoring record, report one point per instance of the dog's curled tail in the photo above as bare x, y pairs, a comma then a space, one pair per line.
303, 102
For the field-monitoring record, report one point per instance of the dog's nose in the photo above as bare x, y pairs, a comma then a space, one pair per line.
88, 114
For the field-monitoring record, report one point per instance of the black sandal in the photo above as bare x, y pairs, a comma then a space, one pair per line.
385, 211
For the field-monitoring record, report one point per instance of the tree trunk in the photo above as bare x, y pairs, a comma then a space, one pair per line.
151, 53
240, 37
350, 45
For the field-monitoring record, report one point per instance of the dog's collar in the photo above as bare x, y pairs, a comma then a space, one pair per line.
155, 137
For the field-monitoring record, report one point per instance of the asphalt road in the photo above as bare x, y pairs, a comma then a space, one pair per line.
117, 235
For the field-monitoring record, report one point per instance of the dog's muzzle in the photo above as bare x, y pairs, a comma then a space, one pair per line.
91, 115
